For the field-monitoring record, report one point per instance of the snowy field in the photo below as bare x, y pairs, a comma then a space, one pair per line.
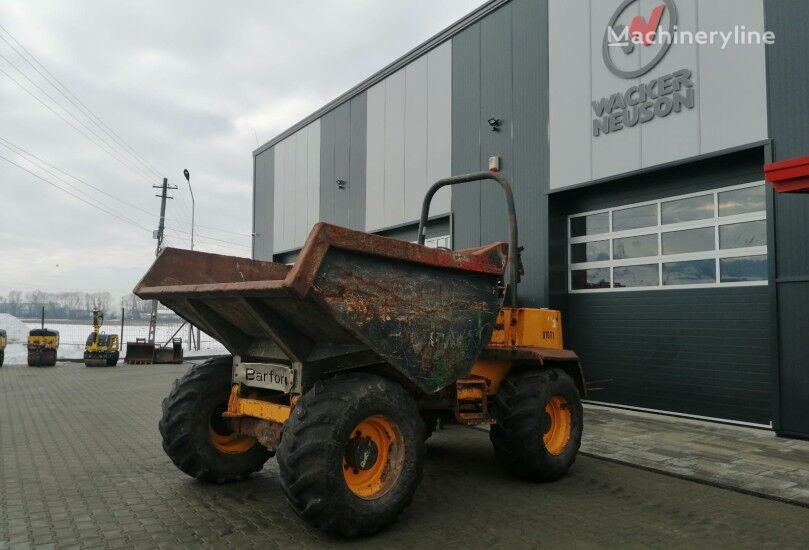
72, 337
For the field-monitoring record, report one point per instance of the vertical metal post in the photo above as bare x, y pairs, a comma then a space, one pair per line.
187, 175
43, 317
123, 313
163, 196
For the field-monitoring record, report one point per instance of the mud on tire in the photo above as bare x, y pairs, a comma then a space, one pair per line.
318, 450
192, 418
523, 435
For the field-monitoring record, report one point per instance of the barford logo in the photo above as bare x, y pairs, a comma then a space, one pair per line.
621, 40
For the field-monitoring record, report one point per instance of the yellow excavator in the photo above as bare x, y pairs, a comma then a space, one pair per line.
101, 349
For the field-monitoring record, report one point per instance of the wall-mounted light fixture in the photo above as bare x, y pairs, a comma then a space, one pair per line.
341, 184
495, 123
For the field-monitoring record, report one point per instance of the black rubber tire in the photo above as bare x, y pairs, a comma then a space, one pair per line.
310, 457
519, 408
186, 418
2, 357
42, 358
112, 359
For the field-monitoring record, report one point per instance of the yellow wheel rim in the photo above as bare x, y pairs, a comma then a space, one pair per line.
224, 440
374, 457
559, 425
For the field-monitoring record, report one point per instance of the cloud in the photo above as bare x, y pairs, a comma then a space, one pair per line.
187, 85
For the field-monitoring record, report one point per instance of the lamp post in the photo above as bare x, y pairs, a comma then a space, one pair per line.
188, 179
187, 175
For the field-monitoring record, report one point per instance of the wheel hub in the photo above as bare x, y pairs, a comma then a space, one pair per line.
361, 452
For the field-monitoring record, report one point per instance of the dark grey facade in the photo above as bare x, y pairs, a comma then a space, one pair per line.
735, 352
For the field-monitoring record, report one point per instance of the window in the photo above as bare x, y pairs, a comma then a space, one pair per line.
706, 239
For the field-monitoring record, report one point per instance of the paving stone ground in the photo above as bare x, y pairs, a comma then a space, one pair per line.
747, 459
81, 466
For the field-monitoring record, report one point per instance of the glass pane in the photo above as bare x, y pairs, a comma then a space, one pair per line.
634, 247
689, 240
590, 225
590, 278
742, 201
745, 268
740, 235
633, 218
685, 210
595, 251
689, 273
635, 275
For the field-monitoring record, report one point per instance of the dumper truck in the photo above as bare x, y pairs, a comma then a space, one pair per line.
342, 365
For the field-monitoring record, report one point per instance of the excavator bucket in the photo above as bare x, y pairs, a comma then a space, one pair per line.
140, 352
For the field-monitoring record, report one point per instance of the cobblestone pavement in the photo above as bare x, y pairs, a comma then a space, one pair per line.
81, 466
746, 459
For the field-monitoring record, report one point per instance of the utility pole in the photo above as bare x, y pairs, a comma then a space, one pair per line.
159, 236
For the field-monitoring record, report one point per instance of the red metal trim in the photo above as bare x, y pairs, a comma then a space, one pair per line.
789, 176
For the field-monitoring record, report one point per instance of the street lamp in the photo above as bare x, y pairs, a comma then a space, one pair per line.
188, 179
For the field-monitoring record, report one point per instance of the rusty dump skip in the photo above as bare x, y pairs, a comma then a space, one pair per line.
351, 300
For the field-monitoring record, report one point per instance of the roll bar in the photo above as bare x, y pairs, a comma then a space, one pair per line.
513, 246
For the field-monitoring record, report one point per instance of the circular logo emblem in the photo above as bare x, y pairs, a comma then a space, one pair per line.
620, 46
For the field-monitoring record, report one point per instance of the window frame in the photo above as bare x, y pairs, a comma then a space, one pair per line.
716, 254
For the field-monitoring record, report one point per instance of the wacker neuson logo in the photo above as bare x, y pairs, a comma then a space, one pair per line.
634, 45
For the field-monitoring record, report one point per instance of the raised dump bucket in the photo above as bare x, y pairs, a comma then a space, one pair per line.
351, 299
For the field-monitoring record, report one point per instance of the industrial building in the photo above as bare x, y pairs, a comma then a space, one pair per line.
638, 167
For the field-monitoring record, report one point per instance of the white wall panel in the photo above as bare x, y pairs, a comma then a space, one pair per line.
439, 126
297, 187
409, 134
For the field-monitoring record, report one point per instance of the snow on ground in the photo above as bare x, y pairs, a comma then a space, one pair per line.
72, 338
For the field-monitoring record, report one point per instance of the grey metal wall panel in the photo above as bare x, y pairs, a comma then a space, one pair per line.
357, 162
466, 128
301, 180
342, 149
496, 102
312, 178
263, 205
569, 123
732, 81
375, 159
327, 173
788, 88
393, 206
531, 152
415, 134
439, 124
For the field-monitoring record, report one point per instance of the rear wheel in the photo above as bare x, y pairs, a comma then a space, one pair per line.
112, 359
2, 357
539, 424
196, 437
351, 454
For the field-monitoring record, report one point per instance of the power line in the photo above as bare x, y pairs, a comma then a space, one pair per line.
208, 238
44, 165
101, 145
70, 96
96, 206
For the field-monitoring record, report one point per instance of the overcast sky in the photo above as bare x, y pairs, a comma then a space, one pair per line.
186, 85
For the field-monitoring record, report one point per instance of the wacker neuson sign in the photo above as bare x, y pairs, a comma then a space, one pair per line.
638, 83
642, 103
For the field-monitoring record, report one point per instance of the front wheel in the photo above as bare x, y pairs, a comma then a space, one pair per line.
539, 424
196, 437
351, 454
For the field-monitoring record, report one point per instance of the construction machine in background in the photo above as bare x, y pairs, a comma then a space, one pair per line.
342, 364
43, 344
3, 342
100, 350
